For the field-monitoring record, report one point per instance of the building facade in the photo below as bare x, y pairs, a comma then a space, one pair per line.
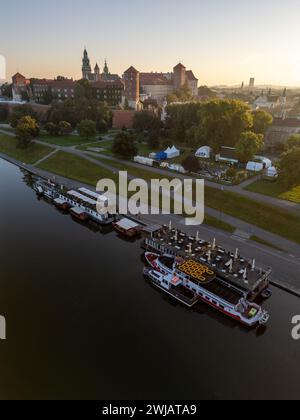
109, 92
131, 80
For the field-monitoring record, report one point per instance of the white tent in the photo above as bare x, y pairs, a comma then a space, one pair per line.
204, 152
172, 152
255, 166
272, 172
265, 161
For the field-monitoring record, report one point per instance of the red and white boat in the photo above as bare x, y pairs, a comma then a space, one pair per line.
201, 281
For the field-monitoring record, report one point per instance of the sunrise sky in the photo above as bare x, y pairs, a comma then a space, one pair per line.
223, 41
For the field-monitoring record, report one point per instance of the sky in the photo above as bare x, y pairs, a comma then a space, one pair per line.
222, 41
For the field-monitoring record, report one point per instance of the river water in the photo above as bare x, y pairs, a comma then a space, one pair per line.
82, 323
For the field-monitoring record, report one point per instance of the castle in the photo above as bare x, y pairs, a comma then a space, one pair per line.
87, 73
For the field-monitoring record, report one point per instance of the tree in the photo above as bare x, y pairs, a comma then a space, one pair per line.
20, 112
293, 141
146, 121
6, 90
289, 168
3, 114
191, 164
248, 145
261, 121
221, 122
231, 173
87, 129
27, 129
205, 92
124, 145
65, 128
153, 141
51, 128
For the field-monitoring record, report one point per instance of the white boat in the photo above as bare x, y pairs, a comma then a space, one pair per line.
203, 282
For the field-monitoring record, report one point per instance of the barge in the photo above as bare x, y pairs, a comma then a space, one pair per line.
189, 281
82, 204
128, 228
230, 267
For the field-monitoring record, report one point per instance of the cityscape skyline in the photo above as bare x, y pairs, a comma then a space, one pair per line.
153, 40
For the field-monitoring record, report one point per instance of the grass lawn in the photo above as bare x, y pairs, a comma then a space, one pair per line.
219, 224
105, 144
64, 141
77, 168
270, 218
275, 189
266, 243
32, 154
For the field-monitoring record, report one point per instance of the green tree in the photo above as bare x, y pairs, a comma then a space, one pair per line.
293, 141
261, 121
191, 164
146, 121
65, 128
248, 145
51, 128
87, 130
3, 113
289, 168
27, 129
221, 122
124, 145
6, 90
20, 112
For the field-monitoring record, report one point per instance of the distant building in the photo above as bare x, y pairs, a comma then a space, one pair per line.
96, 76
281, 130
270, 102
109, 92
252, 83
160, 85
56, 89
20, 87
131, 79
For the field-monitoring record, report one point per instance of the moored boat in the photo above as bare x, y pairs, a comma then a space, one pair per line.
203, 282
127, 228
79, 214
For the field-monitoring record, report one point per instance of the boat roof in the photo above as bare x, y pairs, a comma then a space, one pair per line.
82, 197
92, 194
77, 210
196, 271
59, 201
127, 224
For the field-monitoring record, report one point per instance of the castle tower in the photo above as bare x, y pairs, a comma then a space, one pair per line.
179, 76
86, 66
132, 86
105, 69
97, 73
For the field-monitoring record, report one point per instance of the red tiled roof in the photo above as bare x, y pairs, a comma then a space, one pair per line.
131, 70
151, 79
179, 66
19, 75
190, 75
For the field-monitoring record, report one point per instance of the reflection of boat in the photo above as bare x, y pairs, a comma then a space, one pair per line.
266, 294
127, 228
200, 280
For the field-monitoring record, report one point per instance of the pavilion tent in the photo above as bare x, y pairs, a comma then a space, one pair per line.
172, 152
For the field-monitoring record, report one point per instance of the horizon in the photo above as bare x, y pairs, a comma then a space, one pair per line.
134, 40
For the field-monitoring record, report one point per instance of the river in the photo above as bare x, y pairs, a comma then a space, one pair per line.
82, 323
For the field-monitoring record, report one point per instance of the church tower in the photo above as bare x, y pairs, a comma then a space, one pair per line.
97, 73
105, 70
86, 66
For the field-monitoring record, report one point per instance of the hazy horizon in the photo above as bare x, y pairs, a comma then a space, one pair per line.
224, 43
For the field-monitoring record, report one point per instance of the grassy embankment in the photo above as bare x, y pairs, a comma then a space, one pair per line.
275, 189
35, 152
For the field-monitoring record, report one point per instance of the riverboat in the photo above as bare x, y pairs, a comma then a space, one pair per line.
187, 275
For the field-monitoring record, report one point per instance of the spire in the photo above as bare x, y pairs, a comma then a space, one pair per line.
106, 69
86, 65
